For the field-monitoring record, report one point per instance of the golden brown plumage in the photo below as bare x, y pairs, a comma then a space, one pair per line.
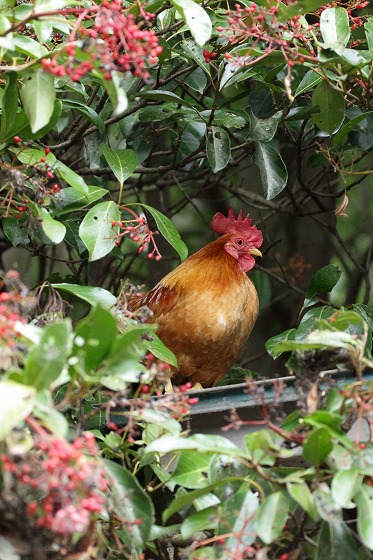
206, 308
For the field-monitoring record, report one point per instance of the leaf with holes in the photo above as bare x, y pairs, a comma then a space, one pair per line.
196, 18
122, 162
218, 148
96, 230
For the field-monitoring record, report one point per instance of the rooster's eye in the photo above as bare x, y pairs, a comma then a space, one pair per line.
239, 242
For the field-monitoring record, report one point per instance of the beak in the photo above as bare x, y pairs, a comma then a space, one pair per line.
255, 252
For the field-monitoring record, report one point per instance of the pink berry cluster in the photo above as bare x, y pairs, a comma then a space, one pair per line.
137, 229
260, 25
64, 482
115, 41
15, 304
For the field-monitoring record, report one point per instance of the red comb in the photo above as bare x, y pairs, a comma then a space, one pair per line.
231, 224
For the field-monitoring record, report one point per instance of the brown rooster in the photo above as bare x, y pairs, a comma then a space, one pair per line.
206, 308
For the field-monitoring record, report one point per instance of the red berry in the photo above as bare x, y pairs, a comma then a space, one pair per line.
17, 139
362, 446
50, 175
47, 151
145, 389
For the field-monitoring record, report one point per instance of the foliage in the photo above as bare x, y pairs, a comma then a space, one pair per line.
111, 111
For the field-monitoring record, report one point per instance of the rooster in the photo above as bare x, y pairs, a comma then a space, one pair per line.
206, 308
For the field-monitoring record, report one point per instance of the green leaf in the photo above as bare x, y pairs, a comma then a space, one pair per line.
332, 107
344, 487
262, 130
323, 280
272, 169
16, 402
54, 230
300, 492
71, 178
90, 294
199, 521
218, 147
122, 162
46, 360
70, 199
191, 470
9, 103
88, 111
167, 229
167, 96
160, 351
95, 334
131, 504
346, 128
272, 516
364, 501
317, 446
96, 229
15, 231
117, 93
196, 18
335, 542
335, 28
309, 80
223, 467
368, 27
273, 344
297, 8
240, 511
38, 96
198, 442
29, 46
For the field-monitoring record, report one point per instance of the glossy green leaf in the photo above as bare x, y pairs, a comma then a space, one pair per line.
300, 7
131, 504
332, 107
94, 117
70, 199
198, 442
317, 446
262, 130
122, 162
167, 96
225, 466
239, 517
335, 28
168, 230
160, 351
273, 345
323, 280
46, 361
199, 521
54, 230
272, 169
336, 542
96, 230
9, 103
15, 231
117, 93
218, 147
16, 402
348, 127
301, 493
90, 294
309, 81
71, 178
95, 335
29, 46
364, 501
196, 18
344, 487
368, 27
38, 96
272, 516
191, 470
326, 507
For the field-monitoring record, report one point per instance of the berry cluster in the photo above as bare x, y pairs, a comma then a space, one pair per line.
64, 486
114, 42
260, 26
138, 230
15, 304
